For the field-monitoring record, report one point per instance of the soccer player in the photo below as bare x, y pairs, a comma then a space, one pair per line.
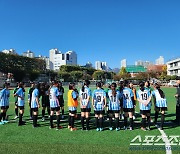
114, 106
131, 86
99, 104
16, 101
61, 99
120, 89
148, 86
29, 98
35, 105
85, 94
144, 99
160, 104
54, 105
72, 105
4, 102
21, 102
128, 105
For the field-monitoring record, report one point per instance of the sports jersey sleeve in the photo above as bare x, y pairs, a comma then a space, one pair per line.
74, 95
89, 92
36, 93
153, 93
57, 92
137, 94
131, 93
18, 92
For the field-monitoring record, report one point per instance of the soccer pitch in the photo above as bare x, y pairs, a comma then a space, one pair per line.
25, 139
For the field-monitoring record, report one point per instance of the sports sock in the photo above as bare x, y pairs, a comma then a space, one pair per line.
156, 117
149, 121
117, 123
101, 122
97, 122
144, 122
51, 120
72, 121
62, 111
16, 111
58, 120
125, 121
43, 113
82, 122
110, 121
131, 122
87, 123
69, 120
162, 120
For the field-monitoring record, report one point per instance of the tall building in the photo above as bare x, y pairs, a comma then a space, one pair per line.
101, 65
143, 63
29, 54
88, 65
160, 61
57, 58
123, 63
10, 51
173, 67
46, 59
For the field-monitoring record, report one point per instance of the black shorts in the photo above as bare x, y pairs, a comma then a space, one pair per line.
85, 109
113, 111
73, 112
4, 107
99, 112
35, 109
144, 112
55, 108
21, 107
61, 102
128, 109
161, 108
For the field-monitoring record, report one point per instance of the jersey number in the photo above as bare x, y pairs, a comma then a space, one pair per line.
144, 96
113, 99
84, 95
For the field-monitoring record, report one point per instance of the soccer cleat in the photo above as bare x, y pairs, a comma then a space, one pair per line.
118, 129
43, 119
148, 128
97, 129
161, 128
100, 129
110, 128
1, 123
16, 117
69, 127
73, 129
144, 129
60, 127
83, 129
5, 121
130, 128
125, 128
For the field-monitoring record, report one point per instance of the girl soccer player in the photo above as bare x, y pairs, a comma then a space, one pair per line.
21, 95
128, 104
85, 94
54, 105
16, 101
114, 106
144, 99
35, 104
160, 104
72, 105
4, 103
61, 99
99, 103
29, 99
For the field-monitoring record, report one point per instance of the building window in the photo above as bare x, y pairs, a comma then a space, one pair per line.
176, 64
176, 72
62, 56
67, 56
171, 65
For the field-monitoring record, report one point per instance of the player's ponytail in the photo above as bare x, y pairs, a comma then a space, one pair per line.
160, 91
141, 85
86, 83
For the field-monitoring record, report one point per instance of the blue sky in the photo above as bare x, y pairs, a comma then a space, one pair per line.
105, 30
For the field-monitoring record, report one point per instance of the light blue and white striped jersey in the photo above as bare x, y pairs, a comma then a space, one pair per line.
160, 102
84, 96
114, 101
144, 95
35, 94
20, 93
54, 93
4, 97
127, 101
98, 96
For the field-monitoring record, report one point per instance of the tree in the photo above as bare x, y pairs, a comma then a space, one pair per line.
98, 75
124, 74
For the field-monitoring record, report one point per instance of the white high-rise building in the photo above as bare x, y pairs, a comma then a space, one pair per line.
57, 58
29, 54
160, 61
123, 63
10, 51
46, 59
143, 63
101, 65
173, 67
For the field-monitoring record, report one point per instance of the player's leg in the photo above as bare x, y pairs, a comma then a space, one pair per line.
101, 120
87, 115
82, 118
2, 115
58, 118
51, 118
16, 110
125, 120
21, 112
162, 118
131, 120
69, 120
97, 120
117, 121
35, 117
156, 115
110, 119
143, 122
149, 120
73, 114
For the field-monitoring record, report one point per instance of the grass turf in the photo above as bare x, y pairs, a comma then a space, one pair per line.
25, 139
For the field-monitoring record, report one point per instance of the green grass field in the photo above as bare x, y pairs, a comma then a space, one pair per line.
25, 139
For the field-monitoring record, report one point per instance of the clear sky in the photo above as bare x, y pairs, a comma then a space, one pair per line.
105, 30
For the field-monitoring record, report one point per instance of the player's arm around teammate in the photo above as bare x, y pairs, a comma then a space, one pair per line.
99, 104
72, 105
85, 94
144, 99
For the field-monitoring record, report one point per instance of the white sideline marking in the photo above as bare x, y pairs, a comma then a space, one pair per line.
167, 143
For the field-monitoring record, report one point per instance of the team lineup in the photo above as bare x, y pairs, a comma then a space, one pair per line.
117, 101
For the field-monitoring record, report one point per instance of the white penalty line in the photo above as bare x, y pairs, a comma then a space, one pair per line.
167, 143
